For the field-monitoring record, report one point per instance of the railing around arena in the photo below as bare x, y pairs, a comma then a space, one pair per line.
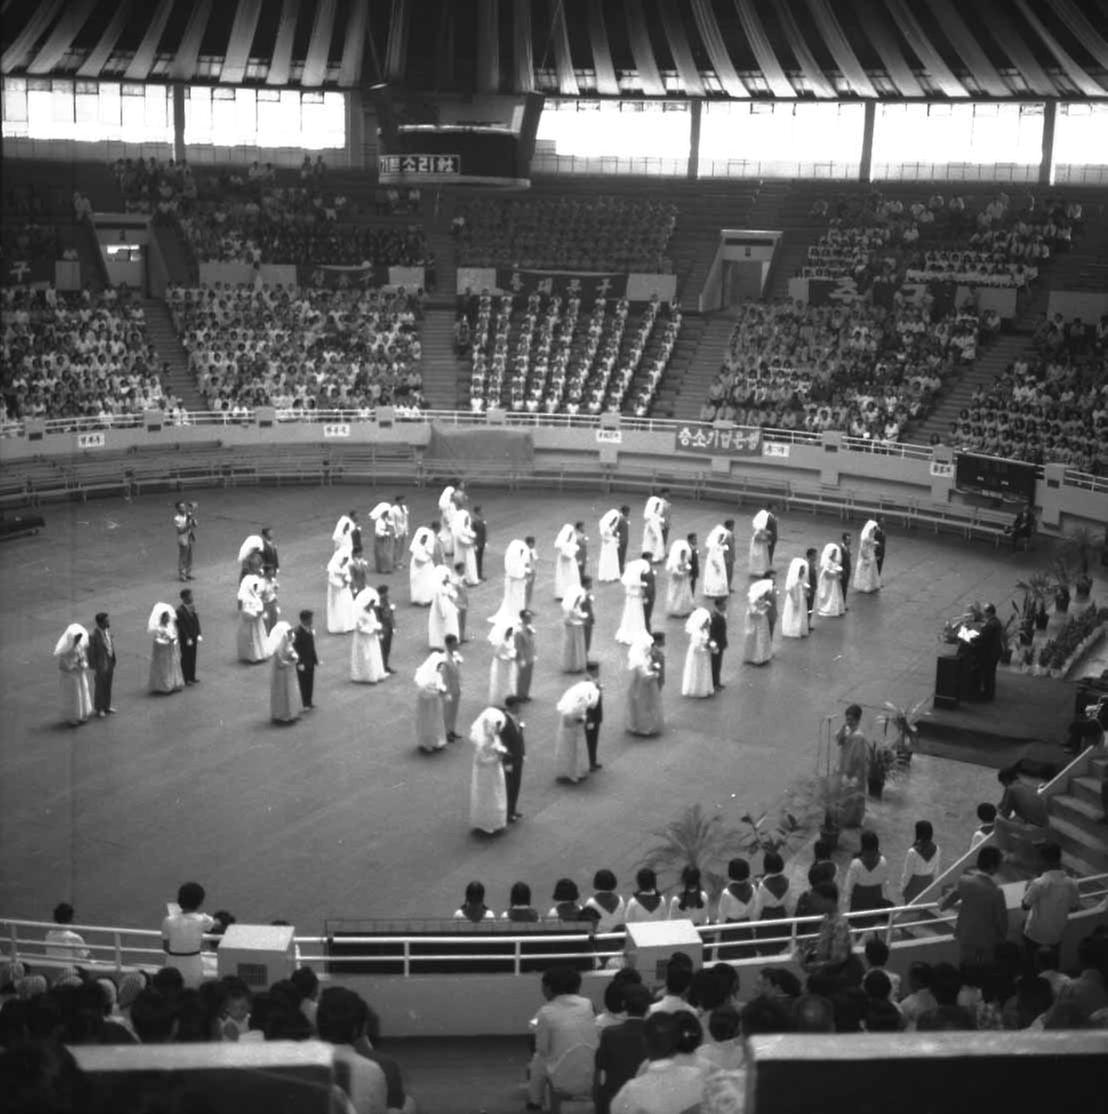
120, 949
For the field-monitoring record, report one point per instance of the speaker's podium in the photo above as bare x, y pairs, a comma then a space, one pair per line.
259, 954
954, 679
651, 943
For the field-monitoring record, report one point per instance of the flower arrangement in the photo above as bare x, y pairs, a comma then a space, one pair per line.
890, 761
1056, 652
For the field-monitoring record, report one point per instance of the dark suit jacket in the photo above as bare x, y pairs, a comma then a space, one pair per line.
623, 531
480, 531
649, 585
303, 642
879, 543
587, 608
386, 615
594, 717
511, 735
694, 564
771, 527
989, 641
717, 630
621, 1050
269, 556
188, 624
813, 580
98, 657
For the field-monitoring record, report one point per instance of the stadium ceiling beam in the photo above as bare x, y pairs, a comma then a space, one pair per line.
488, 46
238, 45
645, 62
396, 46
1080, 78
183, 67
353, 49
873, 19
18, 54
679, 47
1000, 27
607, 84
925, 50
102, 51
319, 46
811, 69
563, 61
523, 49
280, 65
1091, 39
779, 84
968, 48
142, 62
61, 38
841, 51
712, 37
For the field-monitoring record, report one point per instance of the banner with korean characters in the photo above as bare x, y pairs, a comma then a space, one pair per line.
341, 278
566, 284
710, 440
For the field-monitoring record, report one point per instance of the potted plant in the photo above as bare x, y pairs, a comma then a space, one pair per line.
696, 839
904, 722
1007, 633
1027, 620
1060, 571
1079, 547
1038, 586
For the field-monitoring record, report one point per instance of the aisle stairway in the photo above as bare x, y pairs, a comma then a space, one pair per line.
179, 263
705, 363
685, 353
178, 380
445, 379
991, 363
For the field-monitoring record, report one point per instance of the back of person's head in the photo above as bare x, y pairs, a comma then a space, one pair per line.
877, 984
707, 991
636, 1000
989, 859
814, 1013
919, 976
562, 979
660, 1034
306, 982
881, 1016
986, 812
520, 894
782, 980
946, 981
766, 1015
821, 871
614, 1001
63, 913
341, 1016
924, 832
679, 978
627, 976
690, 1032
828, 893
646, 880
1051, 854
168, 980
1007, 775
1034, 997
728, 978
152, 1016
723, 1023
604, 879
475, 894
43, 1078
190, 896
565, 889
738, 870
877, 951
821, 850
772, 863
869, 842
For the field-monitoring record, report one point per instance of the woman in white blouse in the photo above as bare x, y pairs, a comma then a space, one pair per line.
867, 878
922, 864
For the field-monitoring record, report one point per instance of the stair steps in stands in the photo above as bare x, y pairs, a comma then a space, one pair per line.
445, 379
685, 348
704, 365
81, 237
989, 364
178, 379
175, 253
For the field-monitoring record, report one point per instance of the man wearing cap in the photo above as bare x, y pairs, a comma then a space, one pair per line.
303, 642
188, 633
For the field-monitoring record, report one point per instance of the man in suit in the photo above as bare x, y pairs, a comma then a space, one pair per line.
594, 716
982, 914
582, 548
386, 616
989, 643
667, 515
188, 631
184, 523
623, 533
649, 590
812, 557
101, 659
532, 570
270, 562
879, 545
587, 606
303, 641
694, 562
844, 576
729, 552
771, 530
525, 658
717, 636
401, 526
511, 737
480, 539
622, 1048
452, 678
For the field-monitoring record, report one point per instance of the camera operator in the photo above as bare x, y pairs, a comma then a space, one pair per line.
184, 522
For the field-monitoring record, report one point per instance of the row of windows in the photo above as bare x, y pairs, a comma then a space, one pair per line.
95, 111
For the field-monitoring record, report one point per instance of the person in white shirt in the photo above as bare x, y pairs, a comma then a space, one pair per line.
342, 1018
62, 942
565, 1038
1049, 900
667, 1086
679, 977
183, 933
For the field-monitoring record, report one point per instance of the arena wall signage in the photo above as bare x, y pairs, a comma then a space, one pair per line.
91, 440
411, 169
341, 278
609, 436
710, 440
336, 429
566, 284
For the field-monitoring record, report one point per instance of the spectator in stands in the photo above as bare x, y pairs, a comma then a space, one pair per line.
1049, 900
342, 1020
982, 914
881, 1016
566, 1038
567, 904
622, 1047
183, 933
667, 1086
153, 1016
609, 907
473, 908
876, 953
519, 904
306, 982
679, 977
986, 813
62, 942
919, 999
1088, 991
946, 982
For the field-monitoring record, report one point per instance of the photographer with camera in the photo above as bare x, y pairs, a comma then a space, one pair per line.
184, 522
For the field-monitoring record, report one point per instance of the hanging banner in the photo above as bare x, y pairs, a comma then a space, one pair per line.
825, 292
710, 440
341, 278
566, 284
32, 272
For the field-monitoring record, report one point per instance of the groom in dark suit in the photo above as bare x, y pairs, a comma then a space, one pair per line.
303, 641
717, 636
649, 590
623, 535
511, 737
101, 659
188, 631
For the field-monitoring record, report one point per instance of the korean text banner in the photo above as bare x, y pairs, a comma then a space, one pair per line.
711, 440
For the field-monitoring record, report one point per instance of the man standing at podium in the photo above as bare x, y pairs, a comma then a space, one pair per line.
988, 646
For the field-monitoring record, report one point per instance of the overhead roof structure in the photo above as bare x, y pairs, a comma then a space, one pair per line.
737, 49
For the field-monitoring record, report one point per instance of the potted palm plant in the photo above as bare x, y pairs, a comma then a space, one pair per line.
1060, 571
1079, 547
695, 838
1038, 586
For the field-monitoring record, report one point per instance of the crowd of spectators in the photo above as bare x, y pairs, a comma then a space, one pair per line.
1049, 406
602, 233
68, 355
300, 350
859, 367
548, 358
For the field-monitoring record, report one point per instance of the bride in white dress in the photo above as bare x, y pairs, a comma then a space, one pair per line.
758, 557
696, 678
829, 592
866, 576
632, 622
567, 574
607, 570
794, 614
488, 792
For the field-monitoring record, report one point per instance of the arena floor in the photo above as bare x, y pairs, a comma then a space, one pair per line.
339, 815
